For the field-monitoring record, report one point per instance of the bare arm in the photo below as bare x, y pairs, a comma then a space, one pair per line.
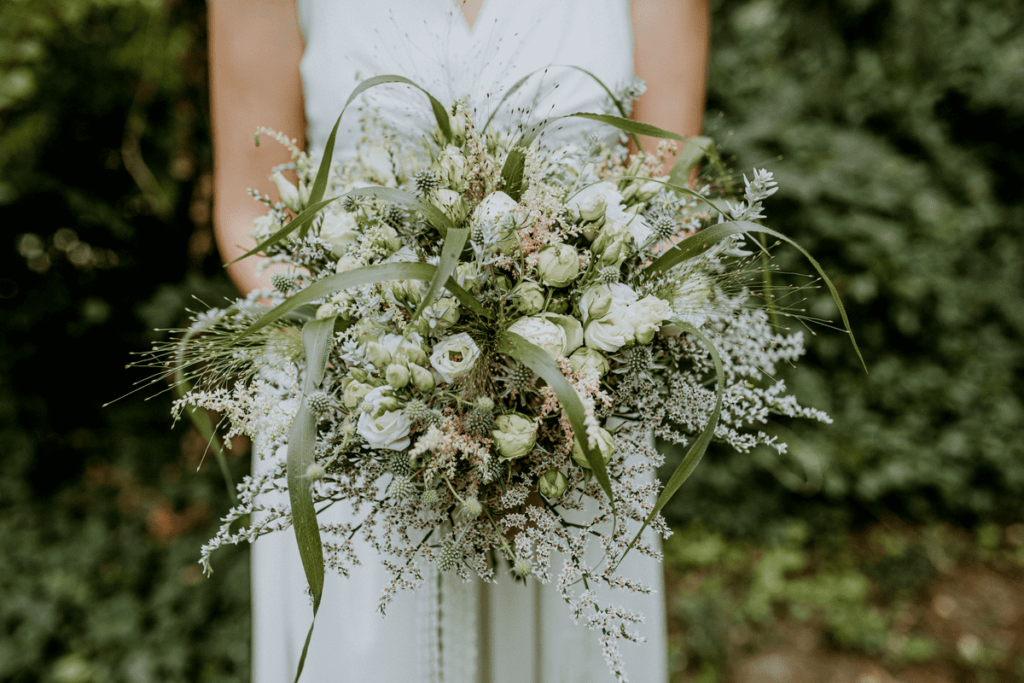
255, 50
671, 41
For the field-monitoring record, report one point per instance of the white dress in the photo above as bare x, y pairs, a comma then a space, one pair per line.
447, 631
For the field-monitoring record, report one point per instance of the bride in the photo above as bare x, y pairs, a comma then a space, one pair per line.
289, 65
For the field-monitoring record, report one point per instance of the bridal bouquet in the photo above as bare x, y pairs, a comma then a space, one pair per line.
470, 342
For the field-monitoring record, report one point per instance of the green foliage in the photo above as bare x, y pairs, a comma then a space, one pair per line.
888, 125
104, 177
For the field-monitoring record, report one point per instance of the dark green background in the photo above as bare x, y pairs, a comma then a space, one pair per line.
891, 126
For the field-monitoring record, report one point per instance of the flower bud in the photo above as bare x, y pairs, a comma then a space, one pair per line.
386, 404
649, 189
595, 302
552, 484
378, 355
558, 305
528, 297
605, 446
326, 310
414, 353
288, 192
559, 265
589, 359
354, 393
645, 333
514, 435
422, 378
359, 374
303, 193
397, 375
453, 167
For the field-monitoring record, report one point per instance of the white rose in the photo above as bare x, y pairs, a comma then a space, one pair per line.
608, 334
648, 311
494, 207
542, 332
340, 230
572, 328
454, 356
631, 220
389, 429
590, 203
622, 297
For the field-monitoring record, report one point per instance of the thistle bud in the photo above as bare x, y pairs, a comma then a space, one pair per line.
422, 378
288, 192
528, 297
397, 375
378, 355
552, 484
471, 507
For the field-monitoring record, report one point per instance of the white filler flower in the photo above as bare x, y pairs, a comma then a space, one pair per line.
454, 356
388, 429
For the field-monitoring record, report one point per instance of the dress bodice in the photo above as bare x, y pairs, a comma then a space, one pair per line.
430, 42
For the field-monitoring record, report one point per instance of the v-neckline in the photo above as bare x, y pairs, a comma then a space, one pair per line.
461, 7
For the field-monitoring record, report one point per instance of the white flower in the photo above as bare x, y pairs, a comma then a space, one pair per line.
340, 230
542, 332
454, 356
453, 166
514, 435
388, 429
558, 265
609, 334
622, 296
590, 203
595, 302
648, 311
589, 359
572, 328
494, 207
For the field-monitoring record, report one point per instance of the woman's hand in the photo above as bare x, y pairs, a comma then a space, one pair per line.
671, 40
255, 50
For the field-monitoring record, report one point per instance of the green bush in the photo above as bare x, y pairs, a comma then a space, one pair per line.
888, 125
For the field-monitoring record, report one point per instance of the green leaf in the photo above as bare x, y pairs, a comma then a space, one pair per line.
453, 245
702, 241
317, 336
368, 275
515, 162
690, 155
697, 449
431, 213
538, 360
629, 125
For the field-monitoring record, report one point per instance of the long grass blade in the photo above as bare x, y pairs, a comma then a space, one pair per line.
316, 343
453, 245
